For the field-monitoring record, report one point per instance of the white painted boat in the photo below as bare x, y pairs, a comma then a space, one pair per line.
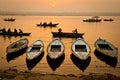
106, 48
35, 50
81, 49
55, 48
17, 46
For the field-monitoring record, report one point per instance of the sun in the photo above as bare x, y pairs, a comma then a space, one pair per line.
53, 5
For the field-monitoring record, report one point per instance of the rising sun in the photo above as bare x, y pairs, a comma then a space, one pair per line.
53, 5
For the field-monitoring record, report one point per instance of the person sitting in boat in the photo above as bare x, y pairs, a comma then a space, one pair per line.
15, 30
20, 31
75, 31
4, 30
59, 30
9, 31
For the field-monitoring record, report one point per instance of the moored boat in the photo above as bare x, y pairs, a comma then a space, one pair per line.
81, 49
35, 50
106, 48
17, 46
55, 49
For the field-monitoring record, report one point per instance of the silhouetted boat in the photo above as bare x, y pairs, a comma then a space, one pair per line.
107, 59
106, 48
81, 64
67, 34
35, 49
80, 49
9, 19
14, 34
93, 19
47, 25
54, 64
55, 48
108, 19
17, 46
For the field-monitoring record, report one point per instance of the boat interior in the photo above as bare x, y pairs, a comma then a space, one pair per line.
80, 48
55, 48
104, 47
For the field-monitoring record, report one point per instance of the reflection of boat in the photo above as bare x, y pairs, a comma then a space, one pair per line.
106, 48
17, 46
32, 63
54, 64
108, 19
93, 19
81, 64
108, 60
55, 48
9, 19
67, 34
14, 34
13, 56
81, 49
49, 24
35, 49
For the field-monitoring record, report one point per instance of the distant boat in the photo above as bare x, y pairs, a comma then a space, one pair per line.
55, 49
9, 19
81, 49
35, 50
67, 34
108, 19
47, 25
93, 19
17, 46
14, 34
106, 48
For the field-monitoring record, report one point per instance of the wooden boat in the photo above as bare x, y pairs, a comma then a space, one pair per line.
49, 24
92, 20
17, 46
9, 19
67, 34
14, 34
108, 19
55, 49
81, 49
106, 48
35, 50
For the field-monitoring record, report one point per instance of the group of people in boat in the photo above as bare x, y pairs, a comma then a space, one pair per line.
9, 30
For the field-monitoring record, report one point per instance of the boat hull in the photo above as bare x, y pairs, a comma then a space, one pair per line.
35, 50
67, 35
81, 49
106, 48
55, 49
17, 46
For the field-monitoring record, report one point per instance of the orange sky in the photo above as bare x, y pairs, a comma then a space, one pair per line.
61, 5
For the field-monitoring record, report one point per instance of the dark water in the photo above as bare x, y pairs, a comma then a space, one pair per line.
68, 63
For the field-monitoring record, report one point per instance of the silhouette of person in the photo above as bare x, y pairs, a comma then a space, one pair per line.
59, 30
15, 30
4, 30
9, 30
20, 31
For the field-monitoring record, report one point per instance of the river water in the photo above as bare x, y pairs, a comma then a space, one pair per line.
68, 64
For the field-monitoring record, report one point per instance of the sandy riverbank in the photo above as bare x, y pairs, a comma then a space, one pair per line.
13, 74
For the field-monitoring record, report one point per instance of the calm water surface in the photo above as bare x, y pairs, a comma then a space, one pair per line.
68, 64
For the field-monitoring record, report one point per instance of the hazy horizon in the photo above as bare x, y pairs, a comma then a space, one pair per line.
70, 7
